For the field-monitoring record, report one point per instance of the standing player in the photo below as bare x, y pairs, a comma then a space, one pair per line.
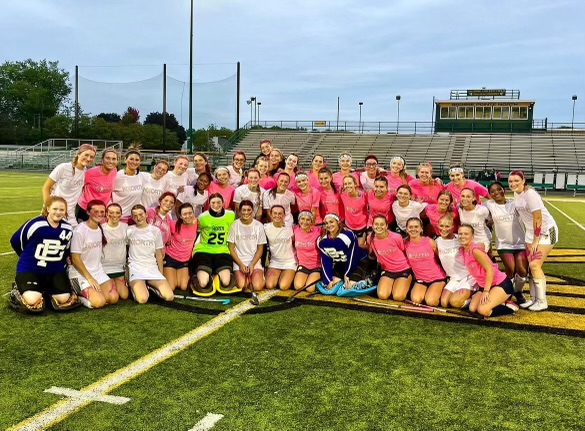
154, 184
397, 175
114, 253
370, 173
308, 258
459, 182
345, 161
330, 201
67, 180
281, 195
98, 184
161, 215
509, 238
396, 277
129, 183
307, 197
443, 207
177, 178
246, 242
317, 164
145, 259
42, 245
222, 186
477, 216
236, 170
355, 206
404, 208
252, 192
380, 201
196, 195
426, 188
212, 254
86, 273
542, 233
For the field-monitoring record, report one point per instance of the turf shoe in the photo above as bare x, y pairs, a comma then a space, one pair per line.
512, 306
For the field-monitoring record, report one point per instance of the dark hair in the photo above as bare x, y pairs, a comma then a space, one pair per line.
370, 156
328, 172
406, 187
94, 203
138, 207
474, 201
216, 195
382, 178
419, 221
272, 191
165, 194
204, 174
204, 157
247, 202
179, 218
496, 183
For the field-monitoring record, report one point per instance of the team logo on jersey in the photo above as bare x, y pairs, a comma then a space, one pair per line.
337, 256
50, 250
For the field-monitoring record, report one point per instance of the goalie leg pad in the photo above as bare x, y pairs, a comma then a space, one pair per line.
199, 290
230, 287
70, 304
18, 303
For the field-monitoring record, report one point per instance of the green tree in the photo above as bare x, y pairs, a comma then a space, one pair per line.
31, 91
172, 124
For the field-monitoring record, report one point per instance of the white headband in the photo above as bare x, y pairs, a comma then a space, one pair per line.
345, 157
333, 216
456, 170
398, 158
306, 213
302, 174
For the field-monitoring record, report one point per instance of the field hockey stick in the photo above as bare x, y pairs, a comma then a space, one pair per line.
294, 295
446, 310
224, 301
422, 309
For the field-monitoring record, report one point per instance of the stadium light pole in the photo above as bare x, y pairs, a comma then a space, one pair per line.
398, 113
360, 127
258, 120
253, 100
190, 141
573, 117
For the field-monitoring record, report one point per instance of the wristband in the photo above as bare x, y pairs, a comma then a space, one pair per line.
537, 231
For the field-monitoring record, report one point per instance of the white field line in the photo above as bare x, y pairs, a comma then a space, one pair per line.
566, 215
207, 422
60, 410
7, 253
20, 212
569, 200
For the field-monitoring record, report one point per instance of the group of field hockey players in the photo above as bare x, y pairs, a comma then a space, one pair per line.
107, 234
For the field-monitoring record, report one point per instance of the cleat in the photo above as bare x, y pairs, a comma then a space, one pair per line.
512, 306
519, 298
539, 305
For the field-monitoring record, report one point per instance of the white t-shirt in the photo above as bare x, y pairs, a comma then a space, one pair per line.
143, 243
366, 182
509, 233
192, 176
452, 259
198, 201
285, 199
173, 182
477, 218
152, 189
402, 214
87, 243
280, 241
243, 193
235, 177
246, 239
526, 203
114, 252
127, 191
68, 185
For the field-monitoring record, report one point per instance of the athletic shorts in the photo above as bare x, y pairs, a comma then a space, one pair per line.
257, 266
359, 232
429, 283
212, 263
52, 284
514, 251
506, 285
305, 270
550, 237
114, 275
283, 265
359, 273
80, 283
139, 273
169, 262
467, 283
395, 275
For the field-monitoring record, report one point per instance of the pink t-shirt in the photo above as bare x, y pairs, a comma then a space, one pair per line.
306, 247
266, 183
314, 180
395, 182
425, 193
338, 179
455, 191
164, 224
423, 260
97, 185
227, 193
330, 203
378, 206
180, 246
433, 214
477, 271
390, 252
308, 201
292, 186
356, 210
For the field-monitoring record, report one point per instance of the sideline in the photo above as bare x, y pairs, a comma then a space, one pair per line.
60, 410
566, 215
20, 212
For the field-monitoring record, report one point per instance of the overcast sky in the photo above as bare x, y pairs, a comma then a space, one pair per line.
298, 56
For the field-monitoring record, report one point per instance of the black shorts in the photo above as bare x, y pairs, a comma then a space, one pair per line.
359, 273
396, 275
359, 232
211, 263
52, 283
429, 283
506, 285
306, 270
170, 262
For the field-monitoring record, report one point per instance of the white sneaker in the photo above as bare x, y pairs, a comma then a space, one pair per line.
539, 305
527, 303
84, 301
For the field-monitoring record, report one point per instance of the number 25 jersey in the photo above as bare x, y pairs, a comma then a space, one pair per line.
214, 232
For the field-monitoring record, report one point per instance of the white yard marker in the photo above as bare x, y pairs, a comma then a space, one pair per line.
20, 212
207, 422
60, 410
566, 215
87, 396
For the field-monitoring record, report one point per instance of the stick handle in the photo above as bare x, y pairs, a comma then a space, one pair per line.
292, 297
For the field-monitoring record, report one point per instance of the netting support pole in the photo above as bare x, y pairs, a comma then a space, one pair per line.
190, 143
238, 97
76, 121
164, 108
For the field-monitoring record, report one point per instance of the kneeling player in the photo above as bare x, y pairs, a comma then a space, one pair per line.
42, 245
